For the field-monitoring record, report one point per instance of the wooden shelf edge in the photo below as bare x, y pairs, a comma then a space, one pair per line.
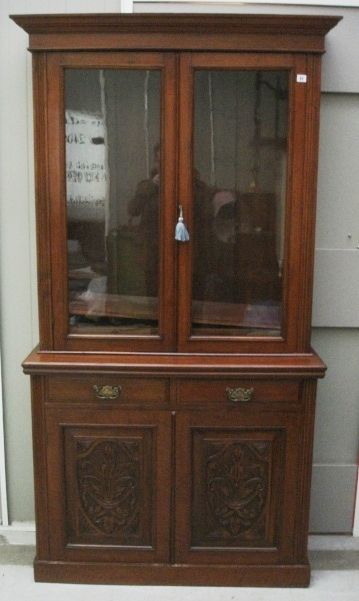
290, 365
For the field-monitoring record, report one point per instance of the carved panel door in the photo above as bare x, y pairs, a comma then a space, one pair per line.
239, 503
109, 485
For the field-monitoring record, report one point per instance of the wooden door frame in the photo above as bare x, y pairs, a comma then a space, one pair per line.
113, 423
286, 427
53, 238
300, 204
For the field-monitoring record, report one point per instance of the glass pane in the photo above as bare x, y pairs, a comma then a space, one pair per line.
113, 191
240, 155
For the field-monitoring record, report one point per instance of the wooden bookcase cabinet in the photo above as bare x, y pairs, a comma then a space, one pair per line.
180, 454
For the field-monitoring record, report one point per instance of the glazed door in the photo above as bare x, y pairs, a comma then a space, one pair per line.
236, 124
236, 490
112, 198
109, 484
241, 186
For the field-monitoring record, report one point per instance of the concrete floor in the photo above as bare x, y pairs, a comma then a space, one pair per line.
335, 577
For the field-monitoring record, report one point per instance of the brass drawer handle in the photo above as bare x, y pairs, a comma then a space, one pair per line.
239, 395
107, 392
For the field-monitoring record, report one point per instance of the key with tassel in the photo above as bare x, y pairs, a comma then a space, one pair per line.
181, 233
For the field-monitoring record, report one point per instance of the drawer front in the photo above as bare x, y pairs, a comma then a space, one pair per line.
95, 389
236, 391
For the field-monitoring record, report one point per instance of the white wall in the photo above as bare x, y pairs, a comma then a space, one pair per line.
17, 265
337, 426
18, 299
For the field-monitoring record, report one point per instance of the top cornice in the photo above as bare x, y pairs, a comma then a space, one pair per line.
292, 33
176, 23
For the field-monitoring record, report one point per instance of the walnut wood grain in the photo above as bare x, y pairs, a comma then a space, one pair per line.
43, 225
283, 33
39, 442
311, 150
170, 482
296, 236
149, 23
202, 529
54, 203
86, 458
199, 390
132, 390
281, 575
291, 365
109, 478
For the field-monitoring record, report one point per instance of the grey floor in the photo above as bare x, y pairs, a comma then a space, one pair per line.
335, 576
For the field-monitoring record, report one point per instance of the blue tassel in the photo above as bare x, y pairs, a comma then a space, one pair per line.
181, 233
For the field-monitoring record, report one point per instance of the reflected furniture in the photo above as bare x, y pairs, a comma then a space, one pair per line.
173, 389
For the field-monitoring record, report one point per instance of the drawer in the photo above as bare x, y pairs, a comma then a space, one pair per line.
233, 391
110, 388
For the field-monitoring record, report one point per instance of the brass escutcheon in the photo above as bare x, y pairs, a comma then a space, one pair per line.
107, 392
239, 395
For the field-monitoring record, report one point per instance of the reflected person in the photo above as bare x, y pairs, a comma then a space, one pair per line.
145, 206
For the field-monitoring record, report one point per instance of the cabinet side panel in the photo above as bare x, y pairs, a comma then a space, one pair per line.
38, 386
309, 201
305, 469
42, 208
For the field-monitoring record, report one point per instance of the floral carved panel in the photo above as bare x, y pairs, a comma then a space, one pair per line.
232, 487
108, 479
109, 500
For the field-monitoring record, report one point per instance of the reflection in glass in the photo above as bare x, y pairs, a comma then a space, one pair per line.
113, 193
240, 150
